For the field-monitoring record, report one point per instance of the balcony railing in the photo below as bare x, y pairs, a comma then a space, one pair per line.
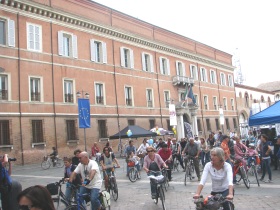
99, 100
3, 94
69, 98
129, 102
150, 103
181, 80
35, 96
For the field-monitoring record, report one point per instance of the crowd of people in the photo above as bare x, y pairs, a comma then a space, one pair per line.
217, 154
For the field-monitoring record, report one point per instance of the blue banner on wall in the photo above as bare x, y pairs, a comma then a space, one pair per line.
84, 113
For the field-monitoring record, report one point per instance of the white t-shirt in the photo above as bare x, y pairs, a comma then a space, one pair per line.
221, 179
84, 170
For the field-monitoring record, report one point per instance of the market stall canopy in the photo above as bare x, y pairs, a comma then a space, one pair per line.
270, 115
133, 131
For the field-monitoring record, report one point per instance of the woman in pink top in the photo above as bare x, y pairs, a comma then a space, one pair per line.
240, 151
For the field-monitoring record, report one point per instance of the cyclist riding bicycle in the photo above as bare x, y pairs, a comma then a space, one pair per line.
176, 151
53, 155
91, 178
221, 176
166, 155
107, 163
141, 151
192, 150
153, 162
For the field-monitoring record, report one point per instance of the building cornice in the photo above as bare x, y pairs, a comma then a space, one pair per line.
57, 15
253, 88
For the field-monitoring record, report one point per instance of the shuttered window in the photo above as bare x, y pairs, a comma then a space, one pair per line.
67, 44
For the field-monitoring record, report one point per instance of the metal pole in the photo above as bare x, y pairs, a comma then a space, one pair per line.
85, 139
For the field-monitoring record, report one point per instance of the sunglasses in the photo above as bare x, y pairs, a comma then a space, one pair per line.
25, 207
150, 150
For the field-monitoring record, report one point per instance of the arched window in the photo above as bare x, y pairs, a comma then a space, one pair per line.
246, 96
277, 97
262, 99
269, 101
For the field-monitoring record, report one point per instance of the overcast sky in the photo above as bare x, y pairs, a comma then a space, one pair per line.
251, 26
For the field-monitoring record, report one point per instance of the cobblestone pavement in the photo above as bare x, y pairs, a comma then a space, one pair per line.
137, 196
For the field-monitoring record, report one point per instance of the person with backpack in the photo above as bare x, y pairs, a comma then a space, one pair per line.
107, 160
5, 182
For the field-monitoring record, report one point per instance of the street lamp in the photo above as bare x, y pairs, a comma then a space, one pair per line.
84, 112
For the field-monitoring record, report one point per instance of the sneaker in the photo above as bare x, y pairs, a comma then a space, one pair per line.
261, 179
268, 181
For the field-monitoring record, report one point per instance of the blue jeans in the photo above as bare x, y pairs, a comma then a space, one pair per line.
205, 157
68, 192
94, 197
266, 167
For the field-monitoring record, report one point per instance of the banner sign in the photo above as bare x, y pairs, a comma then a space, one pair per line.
172, 115
222, 118
188, 130
84, 113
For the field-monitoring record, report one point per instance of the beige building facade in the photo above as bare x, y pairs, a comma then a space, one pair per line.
132, 71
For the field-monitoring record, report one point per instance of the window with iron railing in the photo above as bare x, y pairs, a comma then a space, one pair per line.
71, 130
131, 122
4, 132
99, 100
35, 89
68, 97
37, 131
3, 94
35, 96
150, 103
128, 102
102, 128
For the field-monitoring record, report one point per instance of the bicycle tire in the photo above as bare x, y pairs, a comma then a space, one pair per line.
230, 206
114, 189
57, 204
245, 177
75, 207
162, 197
59, 163
45, 165
256, 174
132, 175
186, 175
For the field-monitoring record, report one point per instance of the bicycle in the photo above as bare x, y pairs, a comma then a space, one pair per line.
55, 190
253, 170
166, 183
159, 182
47, 162
176, 163
212, 202
240, 173
104, 198
133, 173
189, 174
112, 183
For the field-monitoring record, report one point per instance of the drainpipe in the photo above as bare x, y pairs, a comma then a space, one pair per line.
115, 81
53, 89
19, 93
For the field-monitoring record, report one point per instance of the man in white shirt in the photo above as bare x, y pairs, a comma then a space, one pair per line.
91, 178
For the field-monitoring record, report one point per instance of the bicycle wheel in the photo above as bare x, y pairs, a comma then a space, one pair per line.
132, 174
162, 197
59, 202
230, 206
166, 183
45, 164
75, 207
176, 164
245, 177
59, 163
256, 174
114, 189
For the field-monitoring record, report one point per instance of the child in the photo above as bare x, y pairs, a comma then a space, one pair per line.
135, 159
252, 153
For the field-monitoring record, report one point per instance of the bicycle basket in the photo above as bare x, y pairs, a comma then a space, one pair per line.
158, 180
130, 164
52, 188
105, 198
